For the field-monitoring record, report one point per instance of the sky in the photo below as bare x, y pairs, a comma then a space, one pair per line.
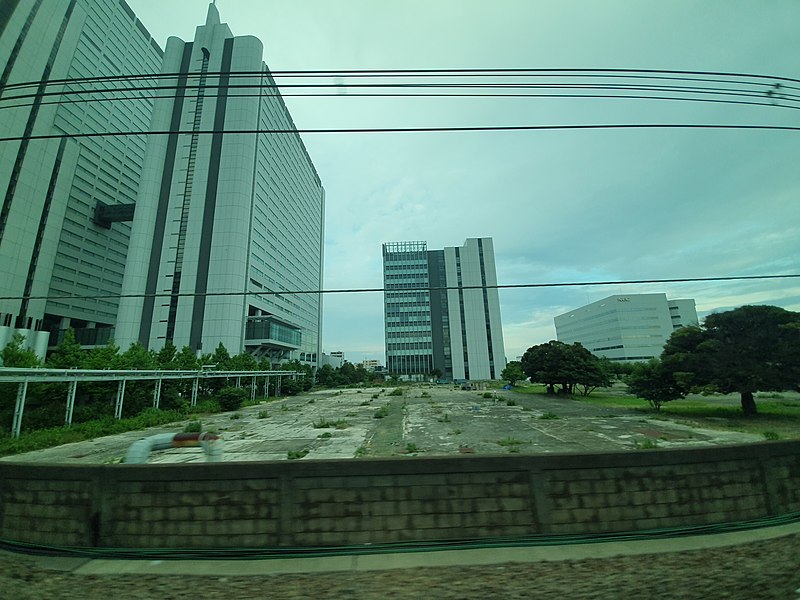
561, 206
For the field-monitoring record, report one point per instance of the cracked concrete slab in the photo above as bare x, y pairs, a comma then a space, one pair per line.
425, 420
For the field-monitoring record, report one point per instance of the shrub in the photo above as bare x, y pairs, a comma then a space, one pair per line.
549, 415
193, 427
231, 398
511, 402
382, 412
296, 454
395, 392
771, 435
488, 395
262, 414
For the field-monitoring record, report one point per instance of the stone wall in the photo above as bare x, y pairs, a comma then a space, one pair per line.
343, 502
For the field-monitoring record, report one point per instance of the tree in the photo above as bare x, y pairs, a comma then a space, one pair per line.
556, 363
68, 354
594, 373
513, 372
166, 356
15, 354
745, 350
325, 376
652, 382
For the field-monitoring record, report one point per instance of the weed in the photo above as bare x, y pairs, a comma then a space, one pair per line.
312, 401
296, 454
365, 403
235, 416
361, 451
444, 418
511, 402
262, 414
456, 432
424, 395
284, 407
327, 434
549, 415
375, 396
381, 412
395, 392
326, 424
646, 444
193, 427
411, 448
488, 395
509, 441
771, 435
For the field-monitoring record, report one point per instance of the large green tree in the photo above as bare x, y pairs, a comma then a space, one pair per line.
565, 365
745, 350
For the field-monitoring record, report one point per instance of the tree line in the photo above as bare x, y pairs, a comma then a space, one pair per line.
746, 350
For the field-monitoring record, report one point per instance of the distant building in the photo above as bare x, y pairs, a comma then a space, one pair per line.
455, 330
626, 327
333, 360
224, 223
370, 364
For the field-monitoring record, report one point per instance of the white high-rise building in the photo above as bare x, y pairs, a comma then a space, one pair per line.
439, 313
57, 240
626, 327
224, 223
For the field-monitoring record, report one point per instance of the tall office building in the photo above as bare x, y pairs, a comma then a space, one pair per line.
56, 241
632, 327
439, 314
224, 223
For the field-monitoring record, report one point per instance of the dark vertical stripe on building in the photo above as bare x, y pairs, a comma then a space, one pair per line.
163, 201
5, 16
207, 231
438, 306
35, 106
486, 310
37, 246
462, 315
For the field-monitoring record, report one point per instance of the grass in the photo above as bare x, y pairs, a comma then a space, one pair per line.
549, 415
296, 454
509, 441
327, 424
56, 436
381, 412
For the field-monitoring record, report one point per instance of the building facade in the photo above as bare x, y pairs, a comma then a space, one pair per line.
52, 243
442, 311
627, 328
224, 223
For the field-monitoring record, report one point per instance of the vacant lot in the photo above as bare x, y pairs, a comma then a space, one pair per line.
441, 421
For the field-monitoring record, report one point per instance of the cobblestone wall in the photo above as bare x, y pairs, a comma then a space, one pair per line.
319, 503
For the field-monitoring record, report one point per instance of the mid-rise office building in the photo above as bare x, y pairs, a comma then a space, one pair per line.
626, 327
224, 224
442, 311
57, 241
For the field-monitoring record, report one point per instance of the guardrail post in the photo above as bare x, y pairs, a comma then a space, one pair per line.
278, 386
253, 390
157, 394
195, 387
19, 408
71, 391
120, 399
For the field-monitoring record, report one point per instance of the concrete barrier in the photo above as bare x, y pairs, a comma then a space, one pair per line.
344, 502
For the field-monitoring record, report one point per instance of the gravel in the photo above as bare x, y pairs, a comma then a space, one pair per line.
764, 570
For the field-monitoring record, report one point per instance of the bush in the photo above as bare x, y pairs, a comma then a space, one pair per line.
395, 392
231, 398
291, 387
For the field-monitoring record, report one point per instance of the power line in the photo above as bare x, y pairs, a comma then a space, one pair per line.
58, 136
410, 289
655, 74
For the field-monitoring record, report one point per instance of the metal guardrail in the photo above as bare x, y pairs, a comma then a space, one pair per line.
24, 377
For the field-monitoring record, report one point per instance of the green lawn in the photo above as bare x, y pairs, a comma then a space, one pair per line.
778, 414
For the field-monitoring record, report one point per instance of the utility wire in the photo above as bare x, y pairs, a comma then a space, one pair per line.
772, 103
656, 74
410, 289
58, 136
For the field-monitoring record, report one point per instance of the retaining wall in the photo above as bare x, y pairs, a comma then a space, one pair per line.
342, 502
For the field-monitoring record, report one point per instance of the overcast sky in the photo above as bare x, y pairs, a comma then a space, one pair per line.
560, 205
